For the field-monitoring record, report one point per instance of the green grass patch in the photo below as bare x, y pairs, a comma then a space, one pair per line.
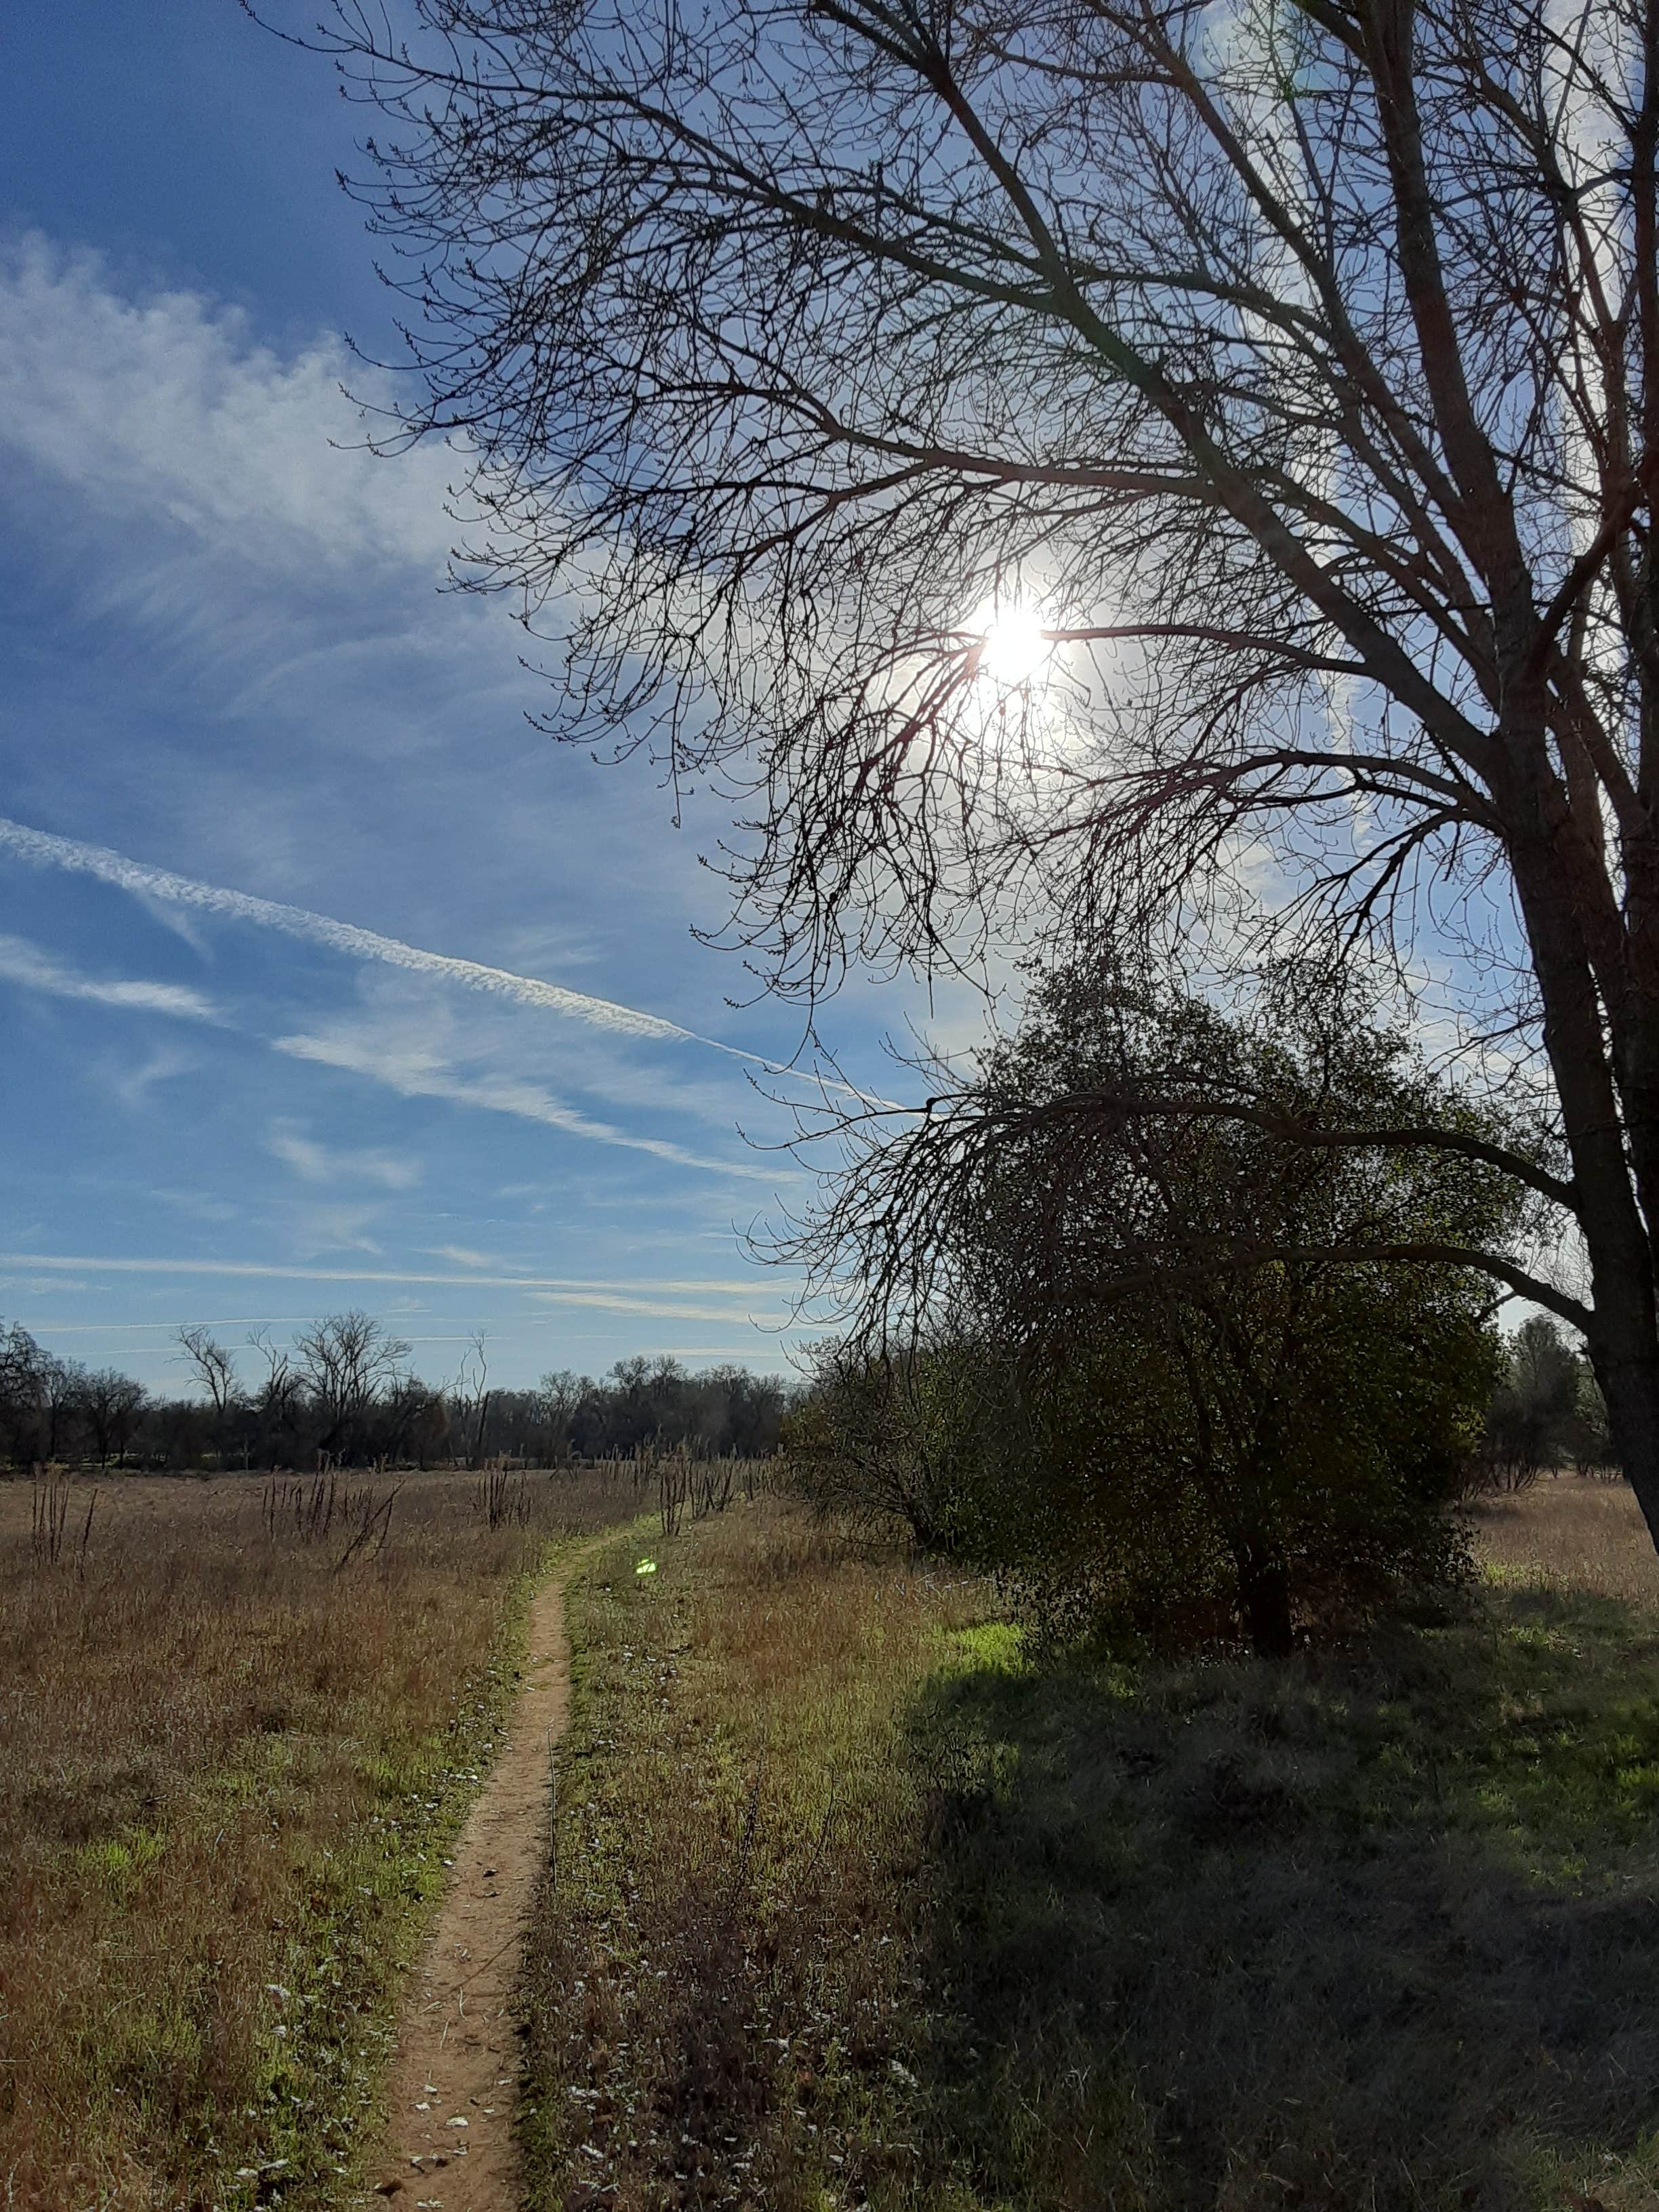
991, 1646
856, 1904
1377, 1928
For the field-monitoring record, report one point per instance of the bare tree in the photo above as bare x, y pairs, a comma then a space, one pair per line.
277, 1398
22, 1390
62, 1385
416, 1419
344, 1362
469, 1396
558, 1395
112, 1402
1297, 366
215, 1367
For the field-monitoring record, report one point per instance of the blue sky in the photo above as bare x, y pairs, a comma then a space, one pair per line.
225, 662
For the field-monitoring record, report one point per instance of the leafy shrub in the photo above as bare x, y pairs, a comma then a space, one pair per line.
1195, 1341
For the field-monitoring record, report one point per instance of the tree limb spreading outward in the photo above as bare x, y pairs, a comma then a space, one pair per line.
1301, 364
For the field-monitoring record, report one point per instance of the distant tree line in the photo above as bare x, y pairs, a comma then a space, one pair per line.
343, 1393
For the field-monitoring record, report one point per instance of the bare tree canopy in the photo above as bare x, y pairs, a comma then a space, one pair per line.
1130, 1145
212, 1364
1293, 364
345, 1362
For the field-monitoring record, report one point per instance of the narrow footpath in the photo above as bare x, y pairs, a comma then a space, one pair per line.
449, 2135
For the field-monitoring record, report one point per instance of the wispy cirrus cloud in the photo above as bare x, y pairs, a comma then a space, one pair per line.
41, 849
415, 1073
260, 457
132, 1082
318, 1163
613, 1301
335, 1227
35, 969
253, 680
158, 1328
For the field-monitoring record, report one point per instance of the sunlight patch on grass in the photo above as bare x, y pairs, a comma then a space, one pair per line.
859, 1900
996, 1646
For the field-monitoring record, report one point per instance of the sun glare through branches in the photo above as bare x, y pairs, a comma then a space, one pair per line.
1015, 650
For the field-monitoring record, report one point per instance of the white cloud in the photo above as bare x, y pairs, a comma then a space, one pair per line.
747, 1352
165, 406
416, 1072
334, 1228
153, 1328
179, 923
132, 1083
316, 1162
60, 1265
27, 964
610, 1302
462, 1256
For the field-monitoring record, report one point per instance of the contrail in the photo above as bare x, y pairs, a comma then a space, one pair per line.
46, 851
258, 1270
43, 850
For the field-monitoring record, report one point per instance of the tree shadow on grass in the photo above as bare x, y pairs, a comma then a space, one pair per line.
1375, 1929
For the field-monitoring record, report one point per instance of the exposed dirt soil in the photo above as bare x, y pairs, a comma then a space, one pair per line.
449, 2138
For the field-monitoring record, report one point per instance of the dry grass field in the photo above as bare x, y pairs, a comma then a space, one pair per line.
1575, 1532
853, 1905
237, 1729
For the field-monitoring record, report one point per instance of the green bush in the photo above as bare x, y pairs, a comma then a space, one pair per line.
1280, 1462
1192, 1345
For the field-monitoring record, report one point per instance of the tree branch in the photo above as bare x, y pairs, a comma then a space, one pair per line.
1291, 1129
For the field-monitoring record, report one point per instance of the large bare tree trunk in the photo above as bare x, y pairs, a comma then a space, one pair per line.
1623, 1326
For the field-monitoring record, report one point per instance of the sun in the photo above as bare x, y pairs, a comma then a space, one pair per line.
1015, 647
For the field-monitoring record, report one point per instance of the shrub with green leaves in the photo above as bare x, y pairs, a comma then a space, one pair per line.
1193, 1308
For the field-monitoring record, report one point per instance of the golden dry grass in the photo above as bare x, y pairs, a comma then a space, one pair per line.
227, 1766
1573, 1531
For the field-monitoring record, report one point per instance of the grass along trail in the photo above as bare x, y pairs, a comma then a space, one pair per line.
235, 1754
862, 1906
451, 2087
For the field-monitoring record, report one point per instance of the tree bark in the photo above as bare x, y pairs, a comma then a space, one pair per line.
1624, 1329
1264, 1602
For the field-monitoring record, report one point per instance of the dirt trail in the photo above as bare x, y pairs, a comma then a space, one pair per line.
457, 2053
